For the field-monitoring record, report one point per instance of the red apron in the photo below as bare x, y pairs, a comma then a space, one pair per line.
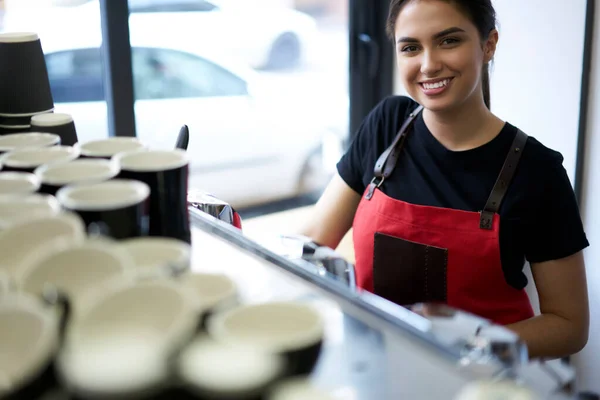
411, 254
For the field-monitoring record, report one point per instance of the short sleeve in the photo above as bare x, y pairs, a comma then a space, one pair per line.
353, 165
556, 231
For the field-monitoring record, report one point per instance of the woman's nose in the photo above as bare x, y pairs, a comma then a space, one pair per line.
431, 64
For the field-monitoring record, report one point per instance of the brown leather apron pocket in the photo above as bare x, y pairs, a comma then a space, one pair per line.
406, 272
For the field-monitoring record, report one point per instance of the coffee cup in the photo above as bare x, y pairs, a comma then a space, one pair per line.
27, 139
166, 173
214, 292
122, 342
32, 237
58, 123
210, 369
55, 176
18, 183
29, 338
106, 148
76, 269
27, 160
14, 209
25, 86
155, 256
293, 330
298, 389
114, 208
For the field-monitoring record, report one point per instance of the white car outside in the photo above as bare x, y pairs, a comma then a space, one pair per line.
263, 36
247, 146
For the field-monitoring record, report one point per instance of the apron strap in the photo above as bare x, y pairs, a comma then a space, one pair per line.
503, 181
387, 160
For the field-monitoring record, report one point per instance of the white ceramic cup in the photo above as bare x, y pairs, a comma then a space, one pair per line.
19, 183
32, 237
76, 269
106, 148
28, 339
122, 340
14, 209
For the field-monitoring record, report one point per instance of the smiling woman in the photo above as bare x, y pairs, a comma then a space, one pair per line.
447, 201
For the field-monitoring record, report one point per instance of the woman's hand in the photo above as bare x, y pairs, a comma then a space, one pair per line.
562, 328
332, 216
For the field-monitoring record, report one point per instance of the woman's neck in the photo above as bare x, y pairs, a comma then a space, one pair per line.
463, 128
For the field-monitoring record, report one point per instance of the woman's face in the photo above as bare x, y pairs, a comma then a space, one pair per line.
440, 54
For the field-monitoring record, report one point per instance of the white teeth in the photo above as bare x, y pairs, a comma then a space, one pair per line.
436, 85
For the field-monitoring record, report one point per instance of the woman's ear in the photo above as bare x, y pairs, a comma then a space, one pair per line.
489, 46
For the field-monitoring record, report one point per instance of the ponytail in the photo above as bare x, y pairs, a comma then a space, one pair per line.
485, 83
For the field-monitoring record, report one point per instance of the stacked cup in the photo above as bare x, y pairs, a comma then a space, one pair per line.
99, 231
24, 84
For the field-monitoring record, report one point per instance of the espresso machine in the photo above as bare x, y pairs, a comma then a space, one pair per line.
382, 350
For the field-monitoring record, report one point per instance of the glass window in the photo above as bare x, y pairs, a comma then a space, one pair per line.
76, 75
171, 74
261, 84
152, 6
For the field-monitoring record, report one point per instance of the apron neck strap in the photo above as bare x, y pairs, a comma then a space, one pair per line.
387, 160
503, 182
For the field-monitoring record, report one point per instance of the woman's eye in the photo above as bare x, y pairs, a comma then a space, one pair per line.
409, 49
448, 41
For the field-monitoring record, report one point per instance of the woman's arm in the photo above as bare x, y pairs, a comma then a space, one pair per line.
563, 326
333, 214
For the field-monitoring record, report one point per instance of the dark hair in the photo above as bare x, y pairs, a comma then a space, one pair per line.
480, 12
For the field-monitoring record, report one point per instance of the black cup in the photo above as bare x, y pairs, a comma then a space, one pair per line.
106, 148
294, 331
25, 86
27, 160
27, 139
58, 123
166, 172
18, 183
210, 369
115, 208
9, 130
55, 176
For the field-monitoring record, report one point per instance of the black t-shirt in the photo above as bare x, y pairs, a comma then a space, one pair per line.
539, 216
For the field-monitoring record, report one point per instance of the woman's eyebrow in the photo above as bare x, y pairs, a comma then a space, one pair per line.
438, 35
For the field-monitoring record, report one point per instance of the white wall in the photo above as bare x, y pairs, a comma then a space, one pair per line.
588, 361
536, 76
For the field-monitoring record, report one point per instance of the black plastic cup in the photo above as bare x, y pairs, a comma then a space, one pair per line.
292, 330
55, 176
27, 160
10, 129
17, 141
10, 125
106, 148
115, 208
58, 123
25, 86
18, 183
166, 172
